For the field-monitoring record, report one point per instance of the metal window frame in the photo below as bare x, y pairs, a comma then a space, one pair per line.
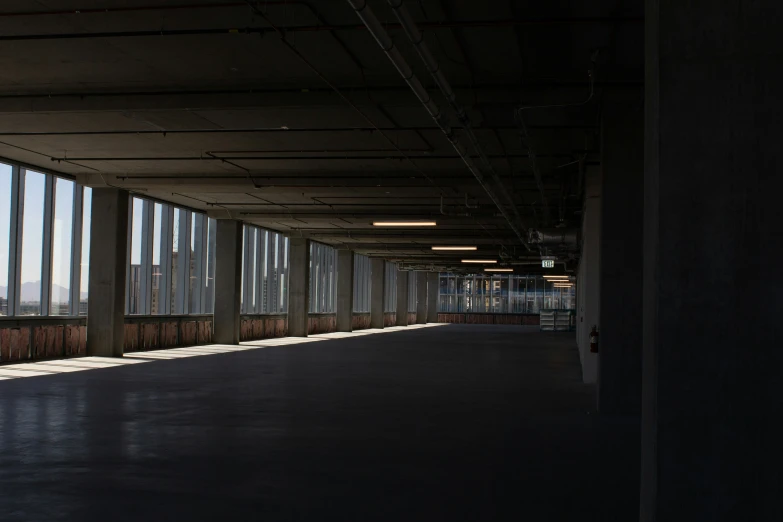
182, 297
211, 257
46, 247
166, 254
15, 240
145, 261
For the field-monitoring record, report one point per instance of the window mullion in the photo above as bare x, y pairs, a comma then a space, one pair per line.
46, 250
15, 240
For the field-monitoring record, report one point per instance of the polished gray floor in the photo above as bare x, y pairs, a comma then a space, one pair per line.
446, 423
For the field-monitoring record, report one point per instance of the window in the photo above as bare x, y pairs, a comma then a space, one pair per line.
323, 277
501, 294
264, 271
35, 196
412, 290
361, 283
59, 301
390, 299
40, 243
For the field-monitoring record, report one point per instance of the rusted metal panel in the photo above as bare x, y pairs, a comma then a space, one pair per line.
72, 340
39, 342
187, 333
131, 338
150, 335
411, 317
82, 340
531, 320
204, 332
59, 341
5, 344
389, 319
168, 334
361, 321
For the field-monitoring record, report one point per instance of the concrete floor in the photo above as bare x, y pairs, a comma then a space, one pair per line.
456, 422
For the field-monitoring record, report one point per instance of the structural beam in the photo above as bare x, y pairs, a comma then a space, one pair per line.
345, 259
108, 256
298, 286
228, 281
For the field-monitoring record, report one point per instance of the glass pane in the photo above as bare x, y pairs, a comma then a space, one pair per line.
5, 233
174, 260
32, 243
194, 280
61, 247
157, 232
85, 282
135, 257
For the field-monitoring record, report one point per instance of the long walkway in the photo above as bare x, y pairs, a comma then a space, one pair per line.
455, 422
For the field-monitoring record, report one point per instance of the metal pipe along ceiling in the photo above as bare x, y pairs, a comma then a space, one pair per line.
381, 36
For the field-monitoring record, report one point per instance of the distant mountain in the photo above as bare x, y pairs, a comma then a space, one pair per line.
31, 292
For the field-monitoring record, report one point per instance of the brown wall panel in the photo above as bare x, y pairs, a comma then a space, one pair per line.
131, 338
5, 344
361, 321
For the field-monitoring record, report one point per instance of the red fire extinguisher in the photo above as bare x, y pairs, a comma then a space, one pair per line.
594, 340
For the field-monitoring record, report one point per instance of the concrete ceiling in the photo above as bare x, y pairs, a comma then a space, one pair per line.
201, 104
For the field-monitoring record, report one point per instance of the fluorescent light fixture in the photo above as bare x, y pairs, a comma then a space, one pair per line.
556, 277
498, 269
454, 248
480, 261
563, 286
404, 223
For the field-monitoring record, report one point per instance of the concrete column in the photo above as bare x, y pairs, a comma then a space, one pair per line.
108, 257
712, 357
402, 298
622, 211
344, 290
228, 281
377, 292
421, 297
433, 279
298, 286
588, 282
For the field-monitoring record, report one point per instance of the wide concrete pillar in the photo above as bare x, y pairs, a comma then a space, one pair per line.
108, 257
298, 286
712, 357
622, 211
421, 297
402, 298
228, 281
377, 292
589, 275
345, 290
433, 279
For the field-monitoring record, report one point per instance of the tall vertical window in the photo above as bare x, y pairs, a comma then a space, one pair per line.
361, 283
134, 268
502, 294
264, 271
62, 230
323, 295
5, 233
157, 270
390, 299
32, 243
210, 277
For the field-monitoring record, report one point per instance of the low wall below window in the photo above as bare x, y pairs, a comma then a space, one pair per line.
478, 318
26, 338
255, 327
155, 332
361, 321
